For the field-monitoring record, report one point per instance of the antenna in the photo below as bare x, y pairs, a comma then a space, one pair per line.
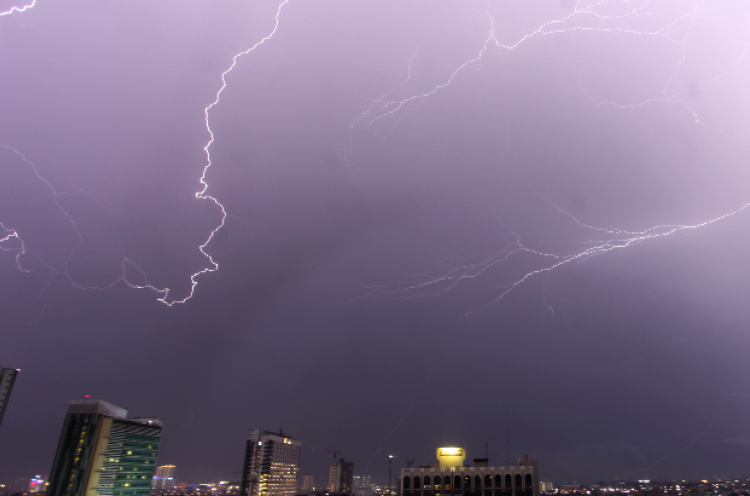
507, 437
485, 451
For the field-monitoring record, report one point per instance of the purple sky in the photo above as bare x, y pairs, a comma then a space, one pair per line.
438, 214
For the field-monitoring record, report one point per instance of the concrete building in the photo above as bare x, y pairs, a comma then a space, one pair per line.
271, 464
164, 478
449, 476
341, 477
103, 453
307, 483
7, 379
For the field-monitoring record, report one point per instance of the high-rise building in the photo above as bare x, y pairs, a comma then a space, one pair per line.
164, 478
103, 453
450, 477
271, 464
7, 379
341, 477
307, 483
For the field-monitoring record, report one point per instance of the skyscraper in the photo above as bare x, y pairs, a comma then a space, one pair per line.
341, 477
103, 453
7, 379
164, 478
271, 464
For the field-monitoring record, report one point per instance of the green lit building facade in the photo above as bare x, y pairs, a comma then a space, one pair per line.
103, 453
7, 379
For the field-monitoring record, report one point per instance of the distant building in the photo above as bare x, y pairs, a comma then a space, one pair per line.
362, 480
450, 477
103, 453
37, 484
20, 485
341, 477
546, 487
362, 485
271, 464
307, 483
7, 379
164, 478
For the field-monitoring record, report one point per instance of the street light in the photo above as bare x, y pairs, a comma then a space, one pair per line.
390, 468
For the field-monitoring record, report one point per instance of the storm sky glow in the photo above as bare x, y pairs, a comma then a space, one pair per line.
568, 181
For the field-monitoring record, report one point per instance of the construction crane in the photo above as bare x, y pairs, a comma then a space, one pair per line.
335, 453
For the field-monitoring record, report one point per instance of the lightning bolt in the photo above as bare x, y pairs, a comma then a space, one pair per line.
22, 8
13, 233
11, 240
203, 193
382, 110
618, 239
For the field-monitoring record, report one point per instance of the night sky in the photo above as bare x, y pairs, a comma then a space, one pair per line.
442, 218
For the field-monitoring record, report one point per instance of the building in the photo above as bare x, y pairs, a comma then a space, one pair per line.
21, 485
449, 476
362, 485
546, 487
103, 453
307, 483
271, 464
341, 477
164, 478
37, 484
7, 379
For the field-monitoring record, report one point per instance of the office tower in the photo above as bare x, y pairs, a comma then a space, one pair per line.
341, 477
164, 478
103, 453
307, 482
450, 477
271, 464
7, 379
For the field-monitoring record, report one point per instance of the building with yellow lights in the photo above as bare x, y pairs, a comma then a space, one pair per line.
271, 464
164, 478
103, 453
450, 477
